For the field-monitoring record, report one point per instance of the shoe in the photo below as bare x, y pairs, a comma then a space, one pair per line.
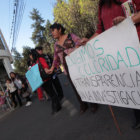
42, 99
66, 84
15, 106
48, 99
136, 126
60, 98
83, 108
54, 112
28, 103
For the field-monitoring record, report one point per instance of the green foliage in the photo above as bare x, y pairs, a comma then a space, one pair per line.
20, 60
41, 34
77, 16
37, 35
17, 60
49, 44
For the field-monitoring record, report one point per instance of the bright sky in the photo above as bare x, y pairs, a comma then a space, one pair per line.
45, 8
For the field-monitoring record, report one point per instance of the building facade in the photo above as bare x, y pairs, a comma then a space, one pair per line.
5, 60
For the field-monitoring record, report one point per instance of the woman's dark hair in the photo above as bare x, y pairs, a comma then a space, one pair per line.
34, 55
12, 78
58, 27
29, 63
12, 73
8, 79
108, 2
39, 48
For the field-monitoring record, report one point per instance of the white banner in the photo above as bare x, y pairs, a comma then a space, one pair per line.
107, 69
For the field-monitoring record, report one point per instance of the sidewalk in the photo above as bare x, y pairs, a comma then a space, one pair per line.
5, 113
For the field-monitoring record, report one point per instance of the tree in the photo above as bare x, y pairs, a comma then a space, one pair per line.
20, 60
17, 60
37, 35
49, 45
41, 35
25, 58
77, 16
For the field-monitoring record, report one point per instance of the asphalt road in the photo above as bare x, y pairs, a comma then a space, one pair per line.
36, 122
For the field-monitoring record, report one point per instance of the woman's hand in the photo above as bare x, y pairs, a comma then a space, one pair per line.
118, 19
76, 47
84, 41
136, 18
29, 68
48, 71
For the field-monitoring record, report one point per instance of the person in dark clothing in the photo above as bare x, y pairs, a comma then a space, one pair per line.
47, 86
26, 92
17, 80
39, 90
13, 92
55, 80
65, 44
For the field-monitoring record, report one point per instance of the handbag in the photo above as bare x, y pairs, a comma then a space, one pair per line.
43, 74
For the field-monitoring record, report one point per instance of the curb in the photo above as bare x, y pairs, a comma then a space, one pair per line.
6, 113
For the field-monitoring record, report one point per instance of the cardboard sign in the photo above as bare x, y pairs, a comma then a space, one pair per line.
33, 76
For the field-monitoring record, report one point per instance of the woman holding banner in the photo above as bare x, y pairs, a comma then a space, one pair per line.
66, 43
112, 12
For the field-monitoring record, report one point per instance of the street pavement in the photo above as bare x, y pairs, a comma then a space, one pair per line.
36, 122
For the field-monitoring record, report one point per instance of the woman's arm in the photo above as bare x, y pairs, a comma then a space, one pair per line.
136, 18
52, 68
85, 40
48, 71
56, 60
44, 65
118, 19
94, 35
76, 39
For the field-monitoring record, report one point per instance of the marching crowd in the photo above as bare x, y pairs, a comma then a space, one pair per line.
110, 14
